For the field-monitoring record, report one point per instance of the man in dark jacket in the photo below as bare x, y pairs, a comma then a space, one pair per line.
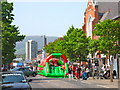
70, 71
78, 71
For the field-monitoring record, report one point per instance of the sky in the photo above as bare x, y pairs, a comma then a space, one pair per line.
48, 18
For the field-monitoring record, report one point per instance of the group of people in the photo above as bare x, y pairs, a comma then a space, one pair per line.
82, 72
76, 72
106, 72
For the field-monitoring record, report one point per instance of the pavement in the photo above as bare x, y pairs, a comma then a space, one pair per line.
105, 83
44, 82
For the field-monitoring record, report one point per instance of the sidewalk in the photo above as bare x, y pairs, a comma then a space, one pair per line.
103, 82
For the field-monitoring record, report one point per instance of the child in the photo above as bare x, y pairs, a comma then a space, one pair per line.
84, 75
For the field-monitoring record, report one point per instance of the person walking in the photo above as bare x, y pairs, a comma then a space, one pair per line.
78, 71
74, 70
70, 71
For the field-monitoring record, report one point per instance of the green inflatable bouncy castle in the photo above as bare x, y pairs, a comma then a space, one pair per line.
54, 67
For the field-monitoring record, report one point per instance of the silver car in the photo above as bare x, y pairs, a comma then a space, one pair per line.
27, 71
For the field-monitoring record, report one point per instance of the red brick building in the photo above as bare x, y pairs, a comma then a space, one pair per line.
99, 10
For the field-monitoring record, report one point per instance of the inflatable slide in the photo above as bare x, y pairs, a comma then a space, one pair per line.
52, 66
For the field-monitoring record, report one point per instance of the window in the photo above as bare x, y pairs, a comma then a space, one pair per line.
89, 27
12, 78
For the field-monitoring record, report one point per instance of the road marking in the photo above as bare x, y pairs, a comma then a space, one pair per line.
86, 82
103, 86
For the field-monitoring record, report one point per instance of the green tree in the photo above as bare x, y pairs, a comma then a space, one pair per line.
74, 45
109, 32
49, 48
93, 47
109, 41
54, 47
10, 33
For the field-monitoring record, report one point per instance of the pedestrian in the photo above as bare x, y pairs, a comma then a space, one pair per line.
78, 71
114, 74
88, 72
31, 67
107, 74
73, 70
70, 71
81, 74
84, 75
34, 68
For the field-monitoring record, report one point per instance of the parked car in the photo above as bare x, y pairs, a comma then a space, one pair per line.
14, 80
27, 71
4, 69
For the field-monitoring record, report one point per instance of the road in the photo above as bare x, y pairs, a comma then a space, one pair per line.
41, 82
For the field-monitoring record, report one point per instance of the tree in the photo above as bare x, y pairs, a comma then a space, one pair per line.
10, 33
93, 47
54, 47
109, 41
49, 48
109, 32
76, 44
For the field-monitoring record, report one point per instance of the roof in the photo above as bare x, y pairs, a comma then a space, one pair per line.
104, 16
105, 6
105, 1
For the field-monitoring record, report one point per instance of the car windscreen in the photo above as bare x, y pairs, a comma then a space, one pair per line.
12, 78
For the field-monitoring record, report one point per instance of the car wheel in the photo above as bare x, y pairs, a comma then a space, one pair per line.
34, 74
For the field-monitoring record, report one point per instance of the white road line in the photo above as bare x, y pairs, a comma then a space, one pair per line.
103, 86
86, 82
